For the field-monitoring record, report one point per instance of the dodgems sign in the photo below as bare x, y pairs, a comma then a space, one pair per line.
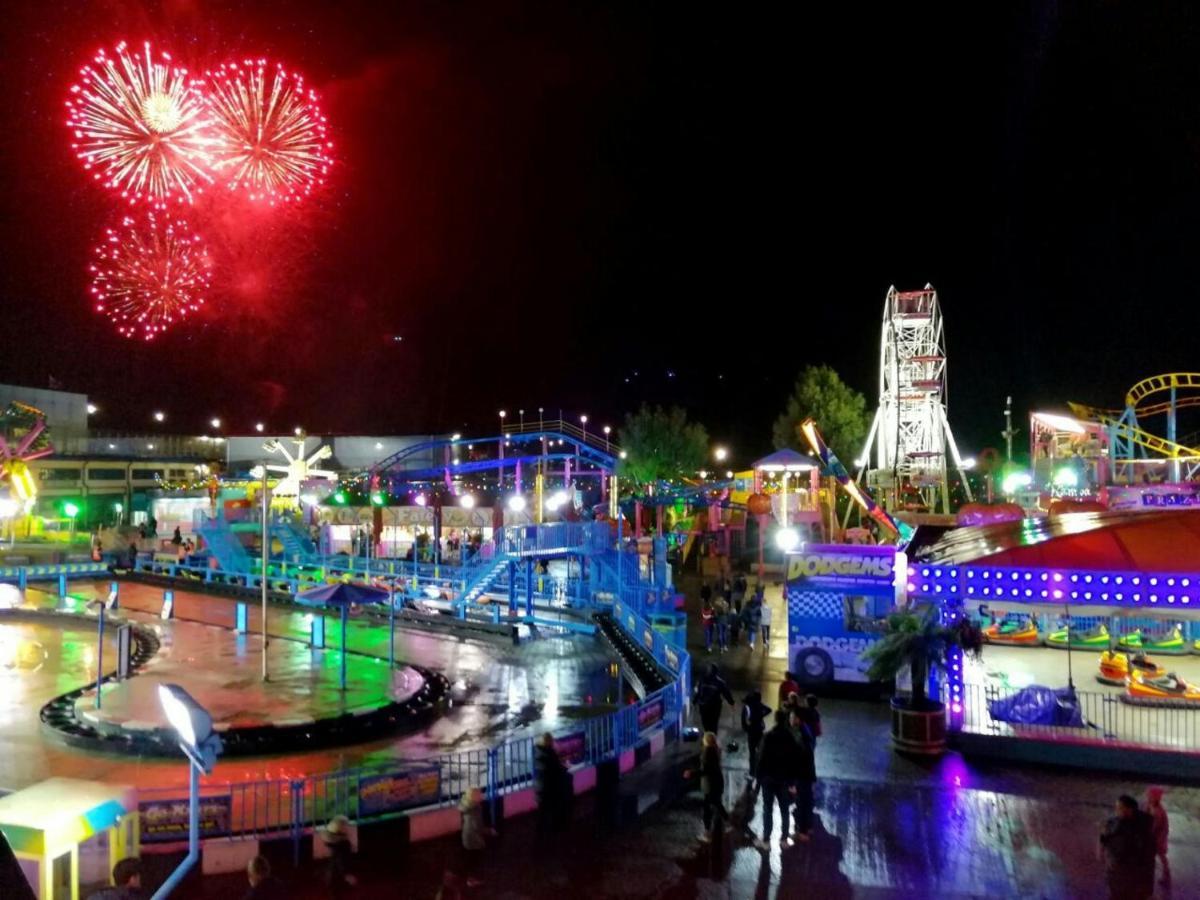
843, 565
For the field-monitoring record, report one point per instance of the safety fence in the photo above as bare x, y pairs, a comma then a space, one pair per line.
1163, 723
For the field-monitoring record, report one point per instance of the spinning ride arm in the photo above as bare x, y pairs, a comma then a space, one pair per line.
831, 464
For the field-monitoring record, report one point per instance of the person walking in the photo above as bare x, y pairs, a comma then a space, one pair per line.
811, 717
754, 717
474, 835
776, 770
263, 885
336, 836
708, 621
736, 621
549, 778
127, 882
787, 687
1127, 842
753, 619
805, 776
712, 786
1161, 829
764, 618
711, 693
721, 609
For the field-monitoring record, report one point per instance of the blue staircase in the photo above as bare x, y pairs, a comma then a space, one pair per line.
297, 548
483, 581
223, 544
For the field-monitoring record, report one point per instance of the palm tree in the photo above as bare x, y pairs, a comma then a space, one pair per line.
918, 641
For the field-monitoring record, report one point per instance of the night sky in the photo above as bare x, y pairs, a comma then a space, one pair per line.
582, 206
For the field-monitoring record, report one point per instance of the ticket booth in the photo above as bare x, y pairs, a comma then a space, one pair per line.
46, 824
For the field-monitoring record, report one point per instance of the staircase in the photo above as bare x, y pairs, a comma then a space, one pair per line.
483, 582
297, 548
223, 544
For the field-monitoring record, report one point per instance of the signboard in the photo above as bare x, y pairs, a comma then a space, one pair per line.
572, 748
1153, 496
166, 821
378, 794
650, 714
843, 565
672, 658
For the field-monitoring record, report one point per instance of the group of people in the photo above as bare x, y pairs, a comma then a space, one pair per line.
1132, 841
725, 614
782, 759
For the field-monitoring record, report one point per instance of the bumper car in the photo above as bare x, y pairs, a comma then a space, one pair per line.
1116, 666
1093, 639
1019, 633
1165, 690
1170, 643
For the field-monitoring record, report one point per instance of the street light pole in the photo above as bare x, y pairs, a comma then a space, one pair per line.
266, 556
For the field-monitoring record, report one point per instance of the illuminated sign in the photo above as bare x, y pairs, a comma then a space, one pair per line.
840, 564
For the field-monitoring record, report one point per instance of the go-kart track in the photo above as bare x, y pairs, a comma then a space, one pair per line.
496, 689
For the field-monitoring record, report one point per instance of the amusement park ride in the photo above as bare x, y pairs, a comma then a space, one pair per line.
910, 434
1124, 440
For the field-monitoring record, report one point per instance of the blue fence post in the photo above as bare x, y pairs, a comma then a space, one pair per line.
512, 587
316, 631
297, 819
529, 586
242, 624
22, 577
493, 783
62, 585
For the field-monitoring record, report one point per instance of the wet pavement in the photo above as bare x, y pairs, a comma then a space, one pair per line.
499, 689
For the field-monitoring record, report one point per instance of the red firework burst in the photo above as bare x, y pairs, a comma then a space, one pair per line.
140, 123
149, 272
269, 133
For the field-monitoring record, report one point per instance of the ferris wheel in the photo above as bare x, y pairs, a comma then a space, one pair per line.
910, 436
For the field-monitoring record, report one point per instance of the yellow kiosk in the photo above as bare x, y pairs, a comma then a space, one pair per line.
46, 824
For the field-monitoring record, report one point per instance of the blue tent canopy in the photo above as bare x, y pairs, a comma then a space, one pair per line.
342, 594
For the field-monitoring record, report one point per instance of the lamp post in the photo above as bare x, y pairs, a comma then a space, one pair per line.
201, 745
583, 421
98, 607
72, 510
607, 432
266, 556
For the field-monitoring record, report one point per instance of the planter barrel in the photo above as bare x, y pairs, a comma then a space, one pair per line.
918, 731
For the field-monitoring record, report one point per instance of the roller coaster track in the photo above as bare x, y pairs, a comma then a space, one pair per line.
1120, 422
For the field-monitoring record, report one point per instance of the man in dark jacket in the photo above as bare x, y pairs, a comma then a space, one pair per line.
754, 716
127, 881
711, 693
805, 769
549, 778
776, 773
263, 885
1128, 844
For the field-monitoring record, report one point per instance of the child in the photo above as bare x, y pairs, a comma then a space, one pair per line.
712, 786
1161, 828
708, 621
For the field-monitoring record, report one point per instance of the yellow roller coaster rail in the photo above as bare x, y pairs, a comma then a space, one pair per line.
1116, 420
1158, 383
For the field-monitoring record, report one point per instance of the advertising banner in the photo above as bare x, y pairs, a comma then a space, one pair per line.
379, 794
843, 565
1153, 496
572, 748
650, 714
166, 821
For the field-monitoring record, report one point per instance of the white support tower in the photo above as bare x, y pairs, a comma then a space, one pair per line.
910, 435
